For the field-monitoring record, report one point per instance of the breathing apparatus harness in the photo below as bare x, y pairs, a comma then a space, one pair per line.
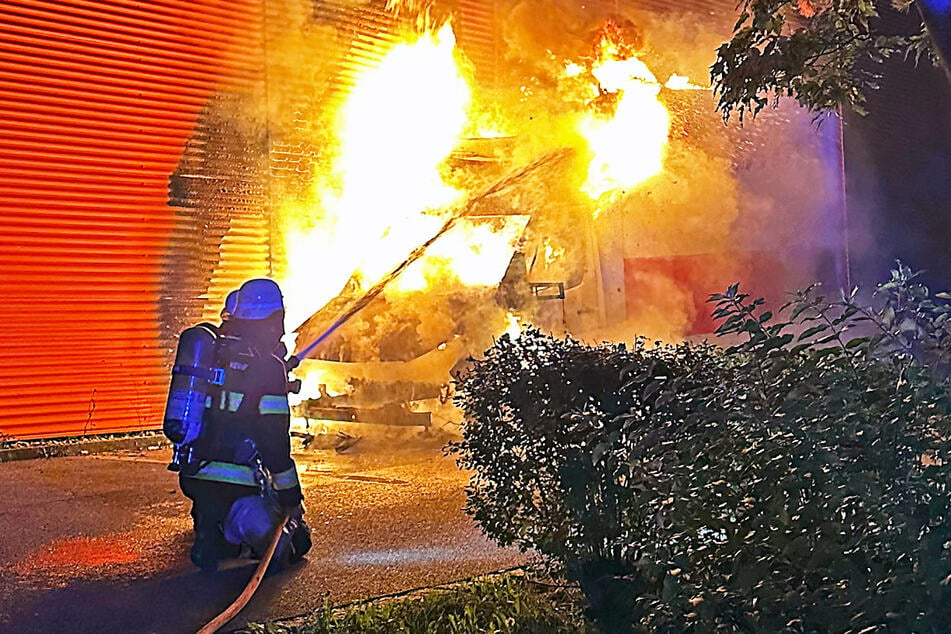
198, 385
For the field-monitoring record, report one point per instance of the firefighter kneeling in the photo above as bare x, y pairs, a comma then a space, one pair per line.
237, 466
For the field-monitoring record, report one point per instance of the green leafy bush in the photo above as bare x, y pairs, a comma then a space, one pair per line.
794, 481
510, 605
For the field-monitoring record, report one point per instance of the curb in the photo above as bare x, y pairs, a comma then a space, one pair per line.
82, 447
299, 620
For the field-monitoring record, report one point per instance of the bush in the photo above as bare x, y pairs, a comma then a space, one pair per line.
510, 605
546, 432
795, 481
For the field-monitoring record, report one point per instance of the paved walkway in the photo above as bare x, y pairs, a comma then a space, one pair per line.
100, 543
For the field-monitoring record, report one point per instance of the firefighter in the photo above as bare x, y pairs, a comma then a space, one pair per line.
242, 480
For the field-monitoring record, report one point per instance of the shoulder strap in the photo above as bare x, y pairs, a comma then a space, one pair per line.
215, 376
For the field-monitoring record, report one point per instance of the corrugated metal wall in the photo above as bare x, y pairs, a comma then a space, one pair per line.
97, 102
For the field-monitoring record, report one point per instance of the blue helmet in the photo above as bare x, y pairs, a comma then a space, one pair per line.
258, 299
230, 304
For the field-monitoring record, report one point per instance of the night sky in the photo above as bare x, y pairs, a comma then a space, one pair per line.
898, 174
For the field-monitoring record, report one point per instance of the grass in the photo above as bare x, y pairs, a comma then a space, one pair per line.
506, 604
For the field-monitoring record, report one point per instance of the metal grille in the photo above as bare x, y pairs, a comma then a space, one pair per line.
97, 103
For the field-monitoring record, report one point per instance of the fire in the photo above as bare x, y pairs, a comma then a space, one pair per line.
514, 326
319, 382
380, 190
399, 123
475, 252
627, 144
402, 120
682, 82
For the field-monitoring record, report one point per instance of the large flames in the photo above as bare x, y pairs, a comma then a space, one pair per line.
628, 141
384, 191
382, 195
400, 122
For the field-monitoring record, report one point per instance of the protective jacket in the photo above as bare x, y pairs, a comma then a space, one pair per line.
251, 404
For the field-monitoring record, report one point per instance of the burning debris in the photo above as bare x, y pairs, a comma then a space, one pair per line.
619, 100
418, 221
339, 441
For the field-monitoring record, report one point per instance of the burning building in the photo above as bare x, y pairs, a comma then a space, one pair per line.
568, 156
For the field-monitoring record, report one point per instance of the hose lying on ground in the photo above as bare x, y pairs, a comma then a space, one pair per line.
219, 621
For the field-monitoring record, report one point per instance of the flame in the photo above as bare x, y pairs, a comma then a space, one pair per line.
390, 161
514, 326
552, 253
628, 144
682, 82
379, 191
317, 382
475, 252
400, 121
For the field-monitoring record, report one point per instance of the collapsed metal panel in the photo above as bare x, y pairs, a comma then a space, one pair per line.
97, 102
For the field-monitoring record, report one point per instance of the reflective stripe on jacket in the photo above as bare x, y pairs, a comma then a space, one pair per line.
231, 473
274, 404
284, 480
228, 472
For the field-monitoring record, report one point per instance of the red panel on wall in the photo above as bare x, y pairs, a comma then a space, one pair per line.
97, 101
680, 285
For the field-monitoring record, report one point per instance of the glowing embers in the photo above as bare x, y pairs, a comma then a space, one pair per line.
627, 127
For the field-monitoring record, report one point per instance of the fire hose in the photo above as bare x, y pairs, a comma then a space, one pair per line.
232, 610
455, 215
263, 477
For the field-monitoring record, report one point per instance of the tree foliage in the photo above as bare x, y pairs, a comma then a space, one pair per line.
795, 481
823, 53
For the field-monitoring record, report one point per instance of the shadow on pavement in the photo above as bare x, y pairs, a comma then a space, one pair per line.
173, 604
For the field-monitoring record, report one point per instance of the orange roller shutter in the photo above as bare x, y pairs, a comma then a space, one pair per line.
97, 102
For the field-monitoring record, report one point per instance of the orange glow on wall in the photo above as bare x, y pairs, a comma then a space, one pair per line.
96, 103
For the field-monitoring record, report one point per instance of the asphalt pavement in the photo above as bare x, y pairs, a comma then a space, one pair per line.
100, 543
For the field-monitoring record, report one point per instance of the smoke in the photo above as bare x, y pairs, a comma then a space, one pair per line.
638, 262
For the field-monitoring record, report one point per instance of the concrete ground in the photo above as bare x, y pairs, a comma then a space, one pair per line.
100, 543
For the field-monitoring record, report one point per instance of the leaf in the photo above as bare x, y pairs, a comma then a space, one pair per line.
847, 314
814, 330
909, 324
671, 587
799, 310
650, 389
825, 352
800, 348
